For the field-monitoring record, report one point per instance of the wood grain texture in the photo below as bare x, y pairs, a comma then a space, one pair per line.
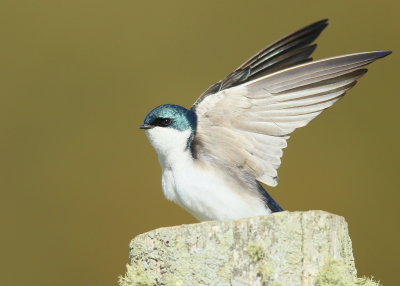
287, 248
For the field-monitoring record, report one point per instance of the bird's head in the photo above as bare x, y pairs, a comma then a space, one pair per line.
170, 127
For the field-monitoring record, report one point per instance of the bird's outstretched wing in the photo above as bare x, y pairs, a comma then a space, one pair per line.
245, 127
289, 51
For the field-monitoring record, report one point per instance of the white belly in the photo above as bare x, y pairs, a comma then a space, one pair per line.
207, 193
209, 196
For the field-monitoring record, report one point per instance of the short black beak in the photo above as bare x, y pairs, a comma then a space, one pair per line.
145, 126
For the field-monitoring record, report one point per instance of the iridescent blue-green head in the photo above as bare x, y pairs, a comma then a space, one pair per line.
169, 120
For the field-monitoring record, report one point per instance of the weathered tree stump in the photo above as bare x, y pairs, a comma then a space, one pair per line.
287, 248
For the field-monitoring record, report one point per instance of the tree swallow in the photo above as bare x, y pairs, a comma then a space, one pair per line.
215, 155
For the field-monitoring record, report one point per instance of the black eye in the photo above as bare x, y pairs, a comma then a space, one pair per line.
163, 122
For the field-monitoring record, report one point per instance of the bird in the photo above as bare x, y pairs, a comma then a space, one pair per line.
216, 155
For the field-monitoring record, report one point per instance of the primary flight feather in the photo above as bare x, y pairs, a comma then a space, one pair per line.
214, 155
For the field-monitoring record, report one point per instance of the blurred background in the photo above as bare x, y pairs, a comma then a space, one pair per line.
79, 180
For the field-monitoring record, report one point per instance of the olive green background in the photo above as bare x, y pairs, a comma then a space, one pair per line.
79, 180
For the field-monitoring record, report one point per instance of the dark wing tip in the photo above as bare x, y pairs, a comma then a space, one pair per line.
384, 53
317, 27
291, 50
323, 23
374, 55
306, 35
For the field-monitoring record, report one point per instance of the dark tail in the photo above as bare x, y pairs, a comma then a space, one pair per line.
271, 203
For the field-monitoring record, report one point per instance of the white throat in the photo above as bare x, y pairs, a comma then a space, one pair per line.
170, 144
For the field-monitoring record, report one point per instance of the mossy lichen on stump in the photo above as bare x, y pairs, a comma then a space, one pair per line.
286, 248
334, 274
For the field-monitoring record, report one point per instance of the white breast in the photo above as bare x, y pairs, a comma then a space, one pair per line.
207, 193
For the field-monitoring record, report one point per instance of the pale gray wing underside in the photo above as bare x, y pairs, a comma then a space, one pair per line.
246, 127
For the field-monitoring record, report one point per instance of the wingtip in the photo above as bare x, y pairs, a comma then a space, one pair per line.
316, 26
319, 22
326, 20
386, 52
369, 56
381, 54
323, 22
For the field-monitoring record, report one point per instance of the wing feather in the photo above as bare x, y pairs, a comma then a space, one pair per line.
289, 51
293, 41
246, 127
315, 72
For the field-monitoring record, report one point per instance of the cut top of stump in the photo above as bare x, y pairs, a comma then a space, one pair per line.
285, 248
